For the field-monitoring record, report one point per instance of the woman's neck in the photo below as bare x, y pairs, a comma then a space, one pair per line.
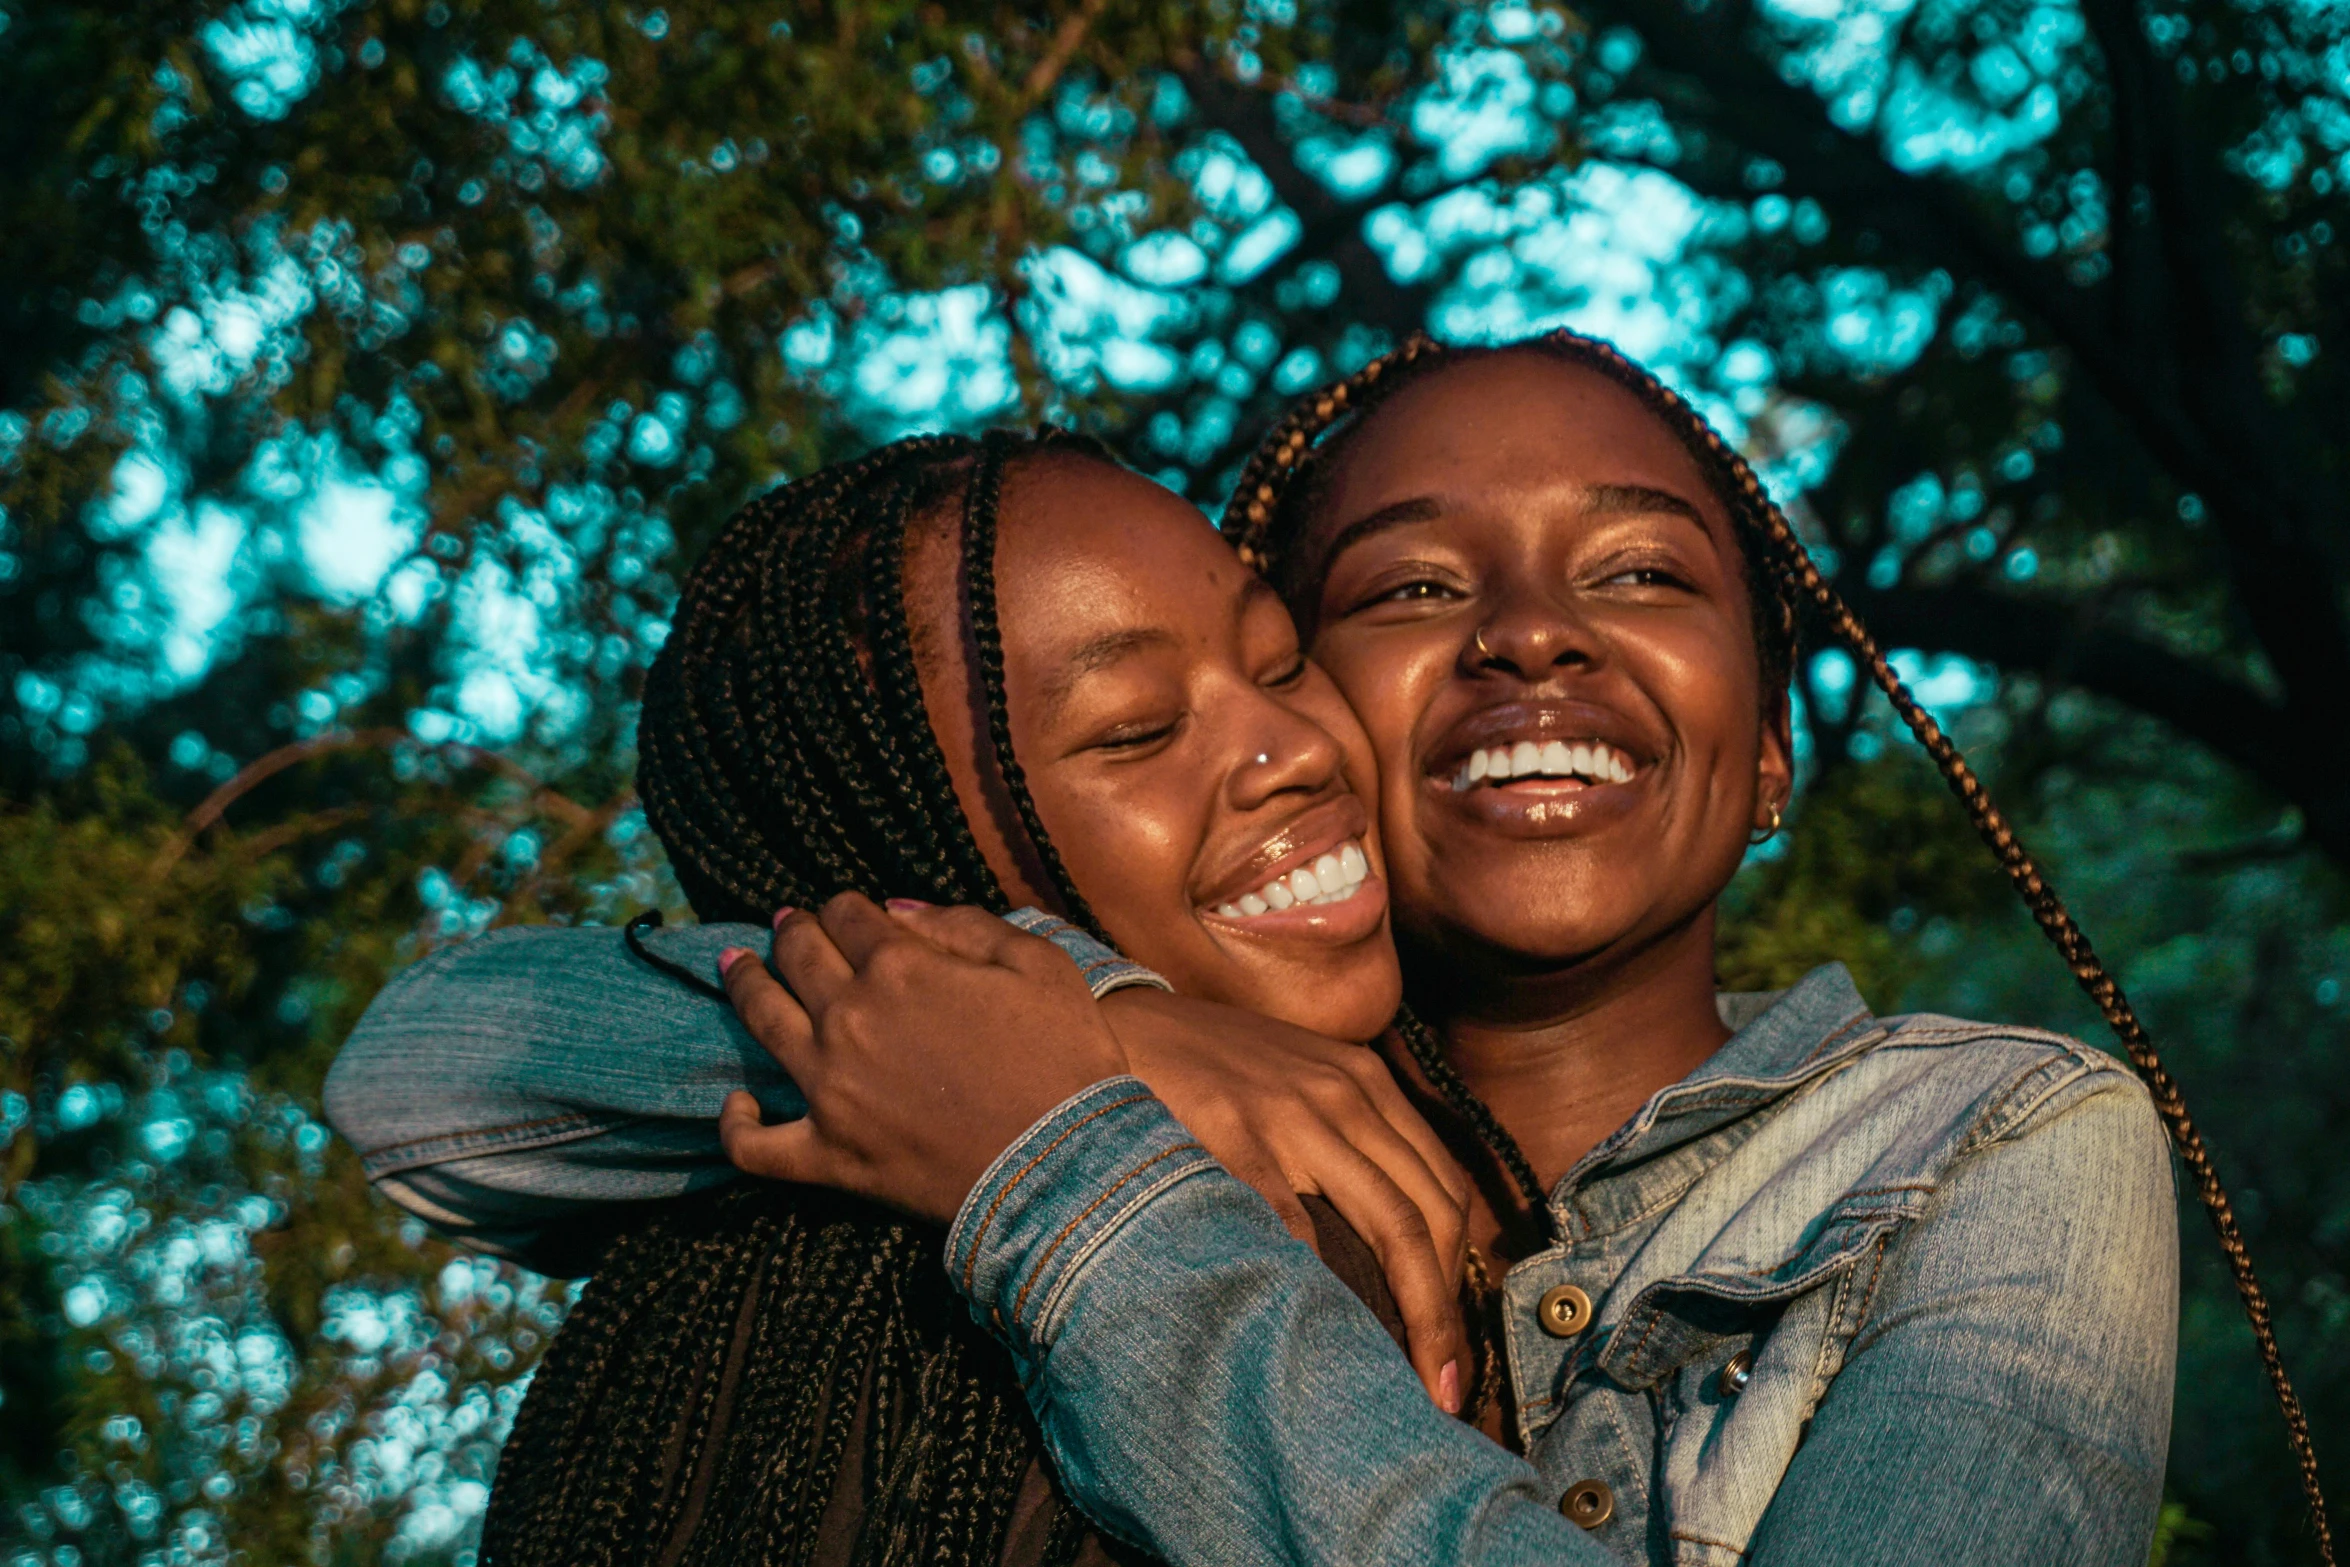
1566, 1057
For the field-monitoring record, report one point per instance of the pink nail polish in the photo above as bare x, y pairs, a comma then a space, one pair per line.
1448, 1387
729, 958
901, 905
782, 914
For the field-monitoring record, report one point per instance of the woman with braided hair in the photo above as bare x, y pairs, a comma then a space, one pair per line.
851, 699
1775, 1280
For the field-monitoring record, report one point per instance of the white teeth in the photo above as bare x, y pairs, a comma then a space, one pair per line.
1332, 878
1593, 761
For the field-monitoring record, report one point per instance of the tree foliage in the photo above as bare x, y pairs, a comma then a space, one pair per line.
374, 365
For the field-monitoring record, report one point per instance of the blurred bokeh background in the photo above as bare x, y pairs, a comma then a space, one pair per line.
372, 367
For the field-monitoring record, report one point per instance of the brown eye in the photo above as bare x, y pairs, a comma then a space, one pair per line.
1419, 590
1648, 577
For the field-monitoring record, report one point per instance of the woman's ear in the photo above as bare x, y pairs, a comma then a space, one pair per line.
1775, 762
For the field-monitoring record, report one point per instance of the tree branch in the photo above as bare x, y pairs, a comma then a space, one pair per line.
1246, 115
2228, 716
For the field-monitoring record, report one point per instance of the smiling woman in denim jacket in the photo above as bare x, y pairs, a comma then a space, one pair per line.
1773, 1279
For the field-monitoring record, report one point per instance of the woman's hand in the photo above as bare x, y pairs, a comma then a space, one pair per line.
926, 1041
1290, 1112
922, 1053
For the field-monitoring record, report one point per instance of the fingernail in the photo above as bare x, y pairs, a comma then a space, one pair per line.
1448, 1387
729, 958
901, 905
782, 914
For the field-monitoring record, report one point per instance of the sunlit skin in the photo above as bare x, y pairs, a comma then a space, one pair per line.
1179, 748
1561, 934
1180, 752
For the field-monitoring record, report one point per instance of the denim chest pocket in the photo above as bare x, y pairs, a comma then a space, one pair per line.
1733, 1363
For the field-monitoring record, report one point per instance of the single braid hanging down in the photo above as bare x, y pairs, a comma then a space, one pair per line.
778, 1374
1268, 514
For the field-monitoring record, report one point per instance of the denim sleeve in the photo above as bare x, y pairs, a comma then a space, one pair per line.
1205, 1387
1209, 1392
508, 1087
2009, 1399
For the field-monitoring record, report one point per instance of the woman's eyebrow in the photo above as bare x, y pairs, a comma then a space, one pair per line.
1100, 653
1420, 508
1620, 498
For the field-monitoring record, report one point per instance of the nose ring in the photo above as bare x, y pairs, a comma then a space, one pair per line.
1263, 757
1478, 642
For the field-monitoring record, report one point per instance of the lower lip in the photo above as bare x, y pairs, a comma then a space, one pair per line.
1540, 807
1329, 924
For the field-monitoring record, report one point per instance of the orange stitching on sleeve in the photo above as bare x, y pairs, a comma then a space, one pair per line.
1020, 1301
971, 1263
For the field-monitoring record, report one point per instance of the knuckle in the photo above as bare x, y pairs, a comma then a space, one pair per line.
895, 963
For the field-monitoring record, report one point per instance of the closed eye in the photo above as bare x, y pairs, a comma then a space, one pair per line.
1137, 737
1288, 675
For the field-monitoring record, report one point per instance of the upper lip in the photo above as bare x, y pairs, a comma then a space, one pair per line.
1506, 723
1301, 840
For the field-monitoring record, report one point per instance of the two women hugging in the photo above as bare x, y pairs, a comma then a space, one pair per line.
1222, 1037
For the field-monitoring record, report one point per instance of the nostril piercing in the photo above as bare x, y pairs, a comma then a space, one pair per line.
1263, 757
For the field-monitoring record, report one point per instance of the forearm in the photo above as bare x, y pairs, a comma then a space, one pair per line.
502, 1084
1203, 1384
521, 1082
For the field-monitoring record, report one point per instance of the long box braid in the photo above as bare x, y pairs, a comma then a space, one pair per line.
1269, 509
698, 1408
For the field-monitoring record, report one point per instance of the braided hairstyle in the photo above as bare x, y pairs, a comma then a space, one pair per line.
770, 1371
1267, 517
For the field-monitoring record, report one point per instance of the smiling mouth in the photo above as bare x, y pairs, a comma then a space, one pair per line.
1334, 877
1582, 763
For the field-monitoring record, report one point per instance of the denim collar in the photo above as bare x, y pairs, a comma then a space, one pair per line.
1784, 1040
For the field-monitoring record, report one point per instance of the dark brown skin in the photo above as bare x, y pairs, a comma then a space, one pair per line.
1564, 934
1180, 751
1549, 564
1177, 743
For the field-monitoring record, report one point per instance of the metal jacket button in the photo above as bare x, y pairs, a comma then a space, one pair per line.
1737, 1374
1589, 1503
1564, 1311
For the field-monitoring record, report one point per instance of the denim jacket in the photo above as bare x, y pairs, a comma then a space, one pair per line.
1857, 1290
1860, 1290
508, 1088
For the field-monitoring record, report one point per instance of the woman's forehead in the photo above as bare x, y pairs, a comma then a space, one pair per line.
1499, 431
1086, 544
1517, 418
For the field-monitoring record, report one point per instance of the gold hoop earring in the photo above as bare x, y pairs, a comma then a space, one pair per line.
1767, 833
